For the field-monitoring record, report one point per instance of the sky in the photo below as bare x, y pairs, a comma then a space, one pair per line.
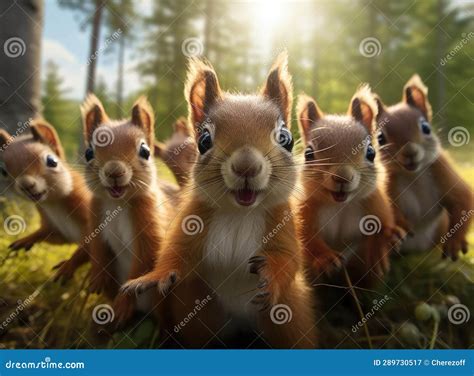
67, 45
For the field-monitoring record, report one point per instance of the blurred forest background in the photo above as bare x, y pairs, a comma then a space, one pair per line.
333, 46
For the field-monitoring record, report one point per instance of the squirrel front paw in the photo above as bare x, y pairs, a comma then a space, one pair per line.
327, 262
395, 237
64, 271
453, 245
24, 243
163, 281
100, 280
267, 294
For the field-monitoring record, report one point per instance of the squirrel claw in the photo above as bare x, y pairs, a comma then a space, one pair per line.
256, 263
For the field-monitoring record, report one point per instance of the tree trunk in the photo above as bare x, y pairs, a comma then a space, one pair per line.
121, 58
94, 46
20, 81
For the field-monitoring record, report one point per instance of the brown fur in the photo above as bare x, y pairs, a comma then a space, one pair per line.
416, 163
117, 163
24, 159
338, 145
179, 152
239, 124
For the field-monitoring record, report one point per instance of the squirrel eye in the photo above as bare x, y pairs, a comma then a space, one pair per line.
51, 161
309, 153
381, 138
370, 154
285, 139
204, 141
89, 154
425, 127
144, 151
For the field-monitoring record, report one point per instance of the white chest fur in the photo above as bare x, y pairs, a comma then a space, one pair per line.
418, 200
232, 239
63, 222
339, 226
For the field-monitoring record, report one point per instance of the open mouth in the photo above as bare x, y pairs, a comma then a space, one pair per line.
116, 191
412, 166
245, 196
35, 196
339, 196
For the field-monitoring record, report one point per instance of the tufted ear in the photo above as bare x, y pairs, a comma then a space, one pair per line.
45, 133
308, 113
93, 115
182, 126
279, 88
415, 94
5, 139
363, 107
202, 90
381, 108
144, 118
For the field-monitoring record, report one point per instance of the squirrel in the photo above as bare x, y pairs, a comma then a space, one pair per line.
345, 215
428, 195
234, 240
130, 204
179, 152
36, 167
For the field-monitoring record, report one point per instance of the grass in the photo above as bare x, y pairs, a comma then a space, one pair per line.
37, 313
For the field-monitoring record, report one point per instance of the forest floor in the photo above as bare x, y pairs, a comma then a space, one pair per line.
38, 313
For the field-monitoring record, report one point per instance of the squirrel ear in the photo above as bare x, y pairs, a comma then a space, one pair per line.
182, 126
308, 113
202, 90
5, 139
44, 132
93, 115
279, 88
363, 107
159, 149
143, 117
381, 108
415, 93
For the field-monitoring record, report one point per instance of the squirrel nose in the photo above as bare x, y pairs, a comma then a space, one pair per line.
343, 175
29, 185
341, 179
245, 169
114, 174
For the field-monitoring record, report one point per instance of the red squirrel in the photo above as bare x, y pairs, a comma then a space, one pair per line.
121, 174
36, 167
244, 177
429, 197
179, 152
345, 214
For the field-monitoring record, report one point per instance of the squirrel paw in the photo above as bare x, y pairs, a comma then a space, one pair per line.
99, 281
452, 246
145, 282
396, 236
266, 294
327, 262
64, 271
24, 243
